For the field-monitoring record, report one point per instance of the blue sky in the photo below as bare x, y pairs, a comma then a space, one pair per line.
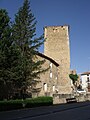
60, 12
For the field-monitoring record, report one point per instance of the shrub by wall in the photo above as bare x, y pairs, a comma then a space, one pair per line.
10, 105
40, 101
27, 103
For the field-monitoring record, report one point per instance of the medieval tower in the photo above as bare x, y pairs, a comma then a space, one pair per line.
57, 48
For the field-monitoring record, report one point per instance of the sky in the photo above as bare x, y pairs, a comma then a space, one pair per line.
75, 13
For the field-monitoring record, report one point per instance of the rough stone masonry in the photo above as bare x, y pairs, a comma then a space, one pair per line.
57, 47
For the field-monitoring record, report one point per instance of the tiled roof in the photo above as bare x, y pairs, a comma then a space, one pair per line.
48, 58
85, 73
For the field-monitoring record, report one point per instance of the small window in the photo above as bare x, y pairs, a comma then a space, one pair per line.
53, 88
45, 87
87, 79
50, 74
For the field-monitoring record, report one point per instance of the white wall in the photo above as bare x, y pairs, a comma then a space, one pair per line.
84, 81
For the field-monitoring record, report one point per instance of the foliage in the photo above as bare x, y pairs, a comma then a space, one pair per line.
19, 67
24, 37
10, 105
28, 103
9, 56
74, 77
40, 101
6, 57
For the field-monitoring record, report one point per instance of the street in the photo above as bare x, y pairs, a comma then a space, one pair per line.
75, 111
82, 113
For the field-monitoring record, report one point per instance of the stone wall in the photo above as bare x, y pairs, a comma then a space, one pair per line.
61, 98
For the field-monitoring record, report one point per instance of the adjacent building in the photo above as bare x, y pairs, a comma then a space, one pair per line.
85, 81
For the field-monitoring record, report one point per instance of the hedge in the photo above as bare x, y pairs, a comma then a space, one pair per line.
40, 101
10, 105
27, 103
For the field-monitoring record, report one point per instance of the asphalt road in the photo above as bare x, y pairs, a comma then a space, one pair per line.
75, 111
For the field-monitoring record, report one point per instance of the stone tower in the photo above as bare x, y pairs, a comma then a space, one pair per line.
57, 47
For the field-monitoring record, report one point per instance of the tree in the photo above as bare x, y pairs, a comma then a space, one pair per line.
5, 42
9, 57
73, 77
24, 28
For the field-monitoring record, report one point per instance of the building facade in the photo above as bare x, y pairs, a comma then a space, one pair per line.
48, 82
57, 57
85, 81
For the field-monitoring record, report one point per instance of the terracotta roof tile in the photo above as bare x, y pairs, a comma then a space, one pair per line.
85, 73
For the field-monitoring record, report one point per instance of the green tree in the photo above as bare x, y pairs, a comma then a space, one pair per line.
5, 32
24, 29
74, 78
9, 57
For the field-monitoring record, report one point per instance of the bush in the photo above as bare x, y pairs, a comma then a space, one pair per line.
28, 103
40, 101
10, 105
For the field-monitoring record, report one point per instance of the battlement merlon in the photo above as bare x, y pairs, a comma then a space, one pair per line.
60, 30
